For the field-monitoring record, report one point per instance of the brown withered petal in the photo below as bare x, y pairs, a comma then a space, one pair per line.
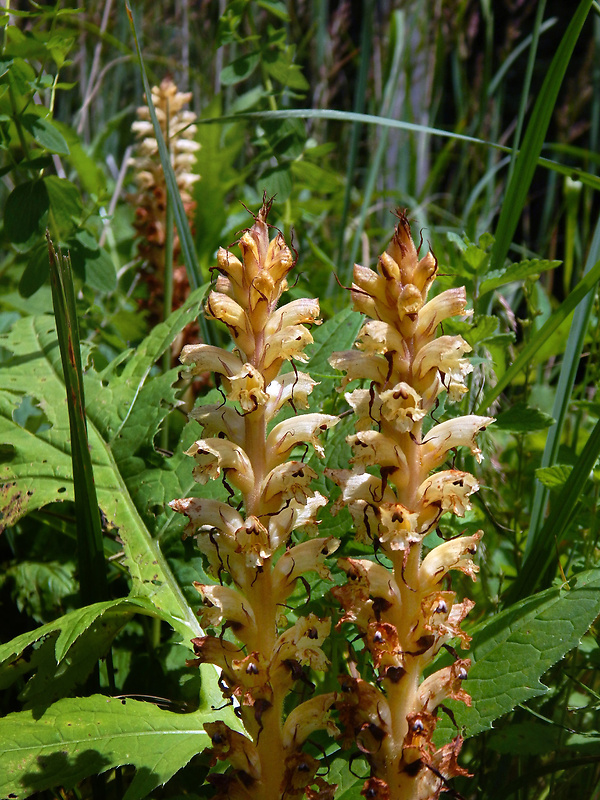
215, 455
444, 684
225, 603
234, 746
375, 789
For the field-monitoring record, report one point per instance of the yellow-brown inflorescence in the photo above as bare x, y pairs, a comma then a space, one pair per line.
396, 494
251, 542
178, 129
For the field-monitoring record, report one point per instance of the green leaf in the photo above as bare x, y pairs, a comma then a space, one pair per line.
45, 134
372, 119
25, 212
513, 650
66, 207
522, 418
535, 567
276, 182
279, 64
76, 738
554, 477
517, 272
585, 285
95, 266
526, 738
276, 7
239, 69
39, 586
481, 330
315, 177
40, 472
476, 257
18, 655
215, 162
338, 333
35, 272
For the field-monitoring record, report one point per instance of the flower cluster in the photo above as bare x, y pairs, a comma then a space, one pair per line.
178, 129
397, 492
248, 544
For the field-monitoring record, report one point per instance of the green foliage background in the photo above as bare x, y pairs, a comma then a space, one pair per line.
484, 120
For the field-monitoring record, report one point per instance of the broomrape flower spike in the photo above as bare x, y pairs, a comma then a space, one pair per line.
150, 201
406, 614
251, 540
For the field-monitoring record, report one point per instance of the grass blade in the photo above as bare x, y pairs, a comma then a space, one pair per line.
593, 181
397, 29
564, 389
534, 570
585, 285
359, 103
93, 584
518, 187
183, 228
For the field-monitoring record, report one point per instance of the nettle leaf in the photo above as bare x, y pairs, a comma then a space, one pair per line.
45, 134
65, 205
40, 470
280, 65
239, 69
554, 477
37, 270
26, 212
522, 418
511, 651
516, 272
79, 737
481, 330
276, 181
39, 587
46, 648
338, 333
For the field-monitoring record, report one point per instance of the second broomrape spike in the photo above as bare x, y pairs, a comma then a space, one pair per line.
406, 614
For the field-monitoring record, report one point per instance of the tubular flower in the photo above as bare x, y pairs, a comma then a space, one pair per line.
406, 614
249, 537
150, 200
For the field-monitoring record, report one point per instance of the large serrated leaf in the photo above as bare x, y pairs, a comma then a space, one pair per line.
512, 651
75, 738
39, 470
522, 418
516, 272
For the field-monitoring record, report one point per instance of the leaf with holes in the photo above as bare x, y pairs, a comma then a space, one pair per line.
79, 737
125, 408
